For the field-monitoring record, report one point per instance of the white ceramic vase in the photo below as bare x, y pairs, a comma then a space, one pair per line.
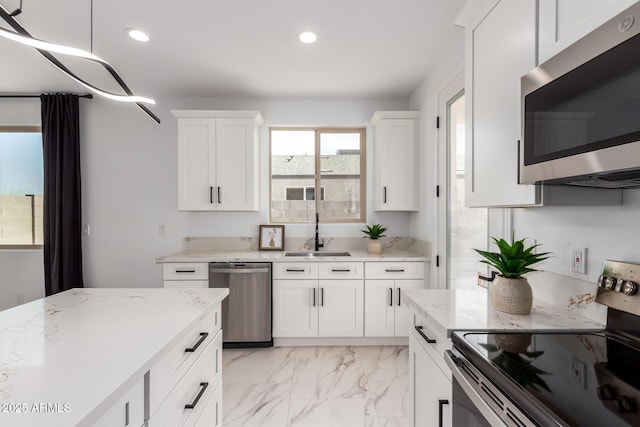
511, 296
375, 246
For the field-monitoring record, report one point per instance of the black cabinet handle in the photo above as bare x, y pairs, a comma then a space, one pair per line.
341, 270
313, 292
390, 297
384, 194
397, 270
210, 194
219, 196
203, 336
441, 403
193, 270
426, 338
398, 296
295, 270
321, 297
193, 404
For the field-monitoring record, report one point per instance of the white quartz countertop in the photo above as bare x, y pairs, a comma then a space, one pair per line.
77, 350
271, 256
470, 310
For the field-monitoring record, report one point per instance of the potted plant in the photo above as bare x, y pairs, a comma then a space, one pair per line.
374, 233
510, 291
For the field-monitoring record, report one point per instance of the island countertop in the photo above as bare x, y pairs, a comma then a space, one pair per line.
470, 310
76, 350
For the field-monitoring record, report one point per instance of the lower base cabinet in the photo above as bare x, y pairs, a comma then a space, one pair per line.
429, 387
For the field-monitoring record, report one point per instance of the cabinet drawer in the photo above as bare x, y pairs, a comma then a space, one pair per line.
295, 270
185, 271
341, 270
186, 284
435, 349
394, 270
166, 373
195, 389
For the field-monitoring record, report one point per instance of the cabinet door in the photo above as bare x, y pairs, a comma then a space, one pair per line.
341, 308
379, 308
295, 308
562, 22
128, 410
500, 48
403, 316
396, 153
236, 165
196, 152
429, 389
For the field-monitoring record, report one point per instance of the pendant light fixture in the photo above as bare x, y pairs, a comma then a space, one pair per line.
47, 49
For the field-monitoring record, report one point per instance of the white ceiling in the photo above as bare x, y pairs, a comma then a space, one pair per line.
247, 48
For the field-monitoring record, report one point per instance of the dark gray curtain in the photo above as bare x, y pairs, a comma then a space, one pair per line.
62, 199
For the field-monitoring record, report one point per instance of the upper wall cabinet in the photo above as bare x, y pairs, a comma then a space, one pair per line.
500, 47
218, 160
563, 22
395, 156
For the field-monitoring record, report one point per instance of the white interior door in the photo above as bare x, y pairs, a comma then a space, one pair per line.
460, 229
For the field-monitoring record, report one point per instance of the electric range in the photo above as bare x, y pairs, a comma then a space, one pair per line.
555, 379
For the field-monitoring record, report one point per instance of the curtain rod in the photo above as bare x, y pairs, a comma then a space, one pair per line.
85, 95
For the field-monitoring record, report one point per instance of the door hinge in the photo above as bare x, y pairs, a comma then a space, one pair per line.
437, 260
437, 191
438, 122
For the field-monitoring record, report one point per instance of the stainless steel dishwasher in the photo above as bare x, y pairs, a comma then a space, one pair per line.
246, 312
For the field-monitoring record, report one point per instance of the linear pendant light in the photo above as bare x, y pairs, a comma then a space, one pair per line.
46, 49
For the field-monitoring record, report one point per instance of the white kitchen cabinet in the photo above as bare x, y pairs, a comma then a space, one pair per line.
384, 313
429, 387
395, 157
562, 22
218, 160
318, 301
185, 275
128, 409
500, 47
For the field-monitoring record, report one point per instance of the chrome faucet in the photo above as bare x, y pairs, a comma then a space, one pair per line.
318, 244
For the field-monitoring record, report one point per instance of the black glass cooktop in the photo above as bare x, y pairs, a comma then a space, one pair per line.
583, 379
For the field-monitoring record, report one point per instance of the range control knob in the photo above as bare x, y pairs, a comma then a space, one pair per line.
607, 282
629, 288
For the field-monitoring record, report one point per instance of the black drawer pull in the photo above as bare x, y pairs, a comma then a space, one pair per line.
399, 296
391, 270
441, 403
341, 270
426, 338
390, 297
203, 336
193, 404
182, 270
295, 270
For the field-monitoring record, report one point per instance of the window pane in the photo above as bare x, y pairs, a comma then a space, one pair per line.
340, 175
21, 188
292, 165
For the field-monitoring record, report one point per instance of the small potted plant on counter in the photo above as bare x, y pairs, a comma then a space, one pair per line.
374, 233
510, 291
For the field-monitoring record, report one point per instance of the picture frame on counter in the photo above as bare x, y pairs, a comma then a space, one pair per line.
271, 237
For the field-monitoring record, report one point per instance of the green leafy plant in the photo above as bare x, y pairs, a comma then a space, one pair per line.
375, 231
514, 259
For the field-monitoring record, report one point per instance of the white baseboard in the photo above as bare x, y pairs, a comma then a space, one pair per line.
339, 341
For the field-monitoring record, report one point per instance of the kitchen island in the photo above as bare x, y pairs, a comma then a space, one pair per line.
93, 357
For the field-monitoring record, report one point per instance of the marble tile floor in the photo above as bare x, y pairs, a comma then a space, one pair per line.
316, 387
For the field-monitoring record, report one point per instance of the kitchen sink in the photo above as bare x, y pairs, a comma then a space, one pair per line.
317, 254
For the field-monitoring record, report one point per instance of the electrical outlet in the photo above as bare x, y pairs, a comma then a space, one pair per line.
579, 260
162, 230
579, 372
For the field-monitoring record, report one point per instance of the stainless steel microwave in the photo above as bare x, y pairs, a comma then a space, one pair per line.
581, 111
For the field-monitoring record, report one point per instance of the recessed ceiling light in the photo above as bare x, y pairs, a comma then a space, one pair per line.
307, 37
137, 35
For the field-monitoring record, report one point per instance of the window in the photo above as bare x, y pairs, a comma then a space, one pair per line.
21, 186
310, 161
